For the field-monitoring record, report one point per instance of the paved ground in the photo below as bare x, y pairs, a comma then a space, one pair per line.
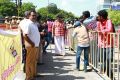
62, 68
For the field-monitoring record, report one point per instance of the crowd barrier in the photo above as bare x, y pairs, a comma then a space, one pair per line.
72, 42
10, 54
106, 65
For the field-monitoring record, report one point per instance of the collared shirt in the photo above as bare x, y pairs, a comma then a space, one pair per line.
90, 23
104, 38
58, 28
50, 24
81, 34
30, 28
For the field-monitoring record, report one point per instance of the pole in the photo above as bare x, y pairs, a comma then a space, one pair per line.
18, 1
48, 2
48, 8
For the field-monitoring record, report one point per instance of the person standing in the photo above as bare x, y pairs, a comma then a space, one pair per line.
48, 38
22, 26
32, 40
83, 44
58, 33
7, 22
105, 41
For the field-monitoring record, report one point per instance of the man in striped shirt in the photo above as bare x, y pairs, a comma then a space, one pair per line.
58, 33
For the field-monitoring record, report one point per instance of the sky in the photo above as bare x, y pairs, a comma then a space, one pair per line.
74, 6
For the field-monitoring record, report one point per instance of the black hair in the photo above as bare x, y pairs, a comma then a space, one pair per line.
86, 14
103, 13
31, 11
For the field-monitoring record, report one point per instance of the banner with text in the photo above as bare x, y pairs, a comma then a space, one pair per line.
10, 54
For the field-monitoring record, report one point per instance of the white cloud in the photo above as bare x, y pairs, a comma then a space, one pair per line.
64, 3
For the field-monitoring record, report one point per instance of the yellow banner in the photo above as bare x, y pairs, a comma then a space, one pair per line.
10, 54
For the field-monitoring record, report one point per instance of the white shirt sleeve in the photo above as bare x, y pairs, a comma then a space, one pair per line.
26, 29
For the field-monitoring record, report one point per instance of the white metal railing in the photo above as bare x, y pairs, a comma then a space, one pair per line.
106, 59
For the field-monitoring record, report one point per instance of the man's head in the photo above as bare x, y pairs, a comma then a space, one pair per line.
32, 15
6, 18
102, 15
85, 14
59, 18
14, 17
26, 14
77, 23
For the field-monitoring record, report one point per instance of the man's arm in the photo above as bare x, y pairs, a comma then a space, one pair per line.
28, 40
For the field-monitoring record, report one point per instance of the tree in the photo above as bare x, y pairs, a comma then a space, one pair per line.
114, 15
52, 8
66, 14
53, 11
3, 1
8, 9
26, 7
43, 12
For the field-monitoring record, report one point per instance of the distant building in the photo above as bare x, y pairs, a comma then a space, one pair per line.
106, 4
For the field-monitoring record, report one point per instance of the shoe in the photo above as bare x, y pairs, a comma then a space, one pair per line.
44, 52
40, 63
36, 76
85, 68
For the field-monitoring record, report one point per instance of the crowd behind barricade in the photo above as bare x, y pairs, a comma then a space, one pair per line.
37, 35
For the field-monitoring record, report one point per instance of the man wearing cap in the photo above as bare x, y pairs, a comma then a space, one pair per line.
14, 20
80, 32
7, 21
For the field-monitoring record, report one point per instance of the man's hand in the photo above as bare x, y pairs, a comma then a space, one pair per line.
32, 44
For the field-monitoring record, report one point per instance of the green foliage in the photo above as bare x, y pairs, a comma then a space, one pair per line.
114, 15
65, 14
26, 7
43, 12
8, 9
3, 1
52, 8
52, 11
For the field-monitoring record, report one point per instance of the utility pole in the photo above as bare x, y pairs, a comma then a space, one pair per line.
18, 8
48, 8
18, 5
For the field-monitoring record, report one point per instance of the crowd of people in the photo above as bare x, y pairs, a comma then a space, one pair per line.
38, 35
103, 26
36, 38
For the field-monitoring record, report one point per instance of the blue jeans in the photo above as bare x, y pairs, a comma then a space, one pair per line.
47, 39
78, 54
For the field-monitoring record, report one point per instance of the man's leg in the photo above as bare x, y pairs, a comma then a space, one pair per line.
86, 58
31, 62
46, 45
78, 54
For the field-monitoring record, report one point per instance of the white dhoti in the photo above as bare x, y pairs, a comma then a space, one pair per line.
59, 45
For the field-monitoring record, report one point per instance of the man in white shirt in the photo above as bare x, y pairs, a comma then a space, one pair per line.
32, 40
